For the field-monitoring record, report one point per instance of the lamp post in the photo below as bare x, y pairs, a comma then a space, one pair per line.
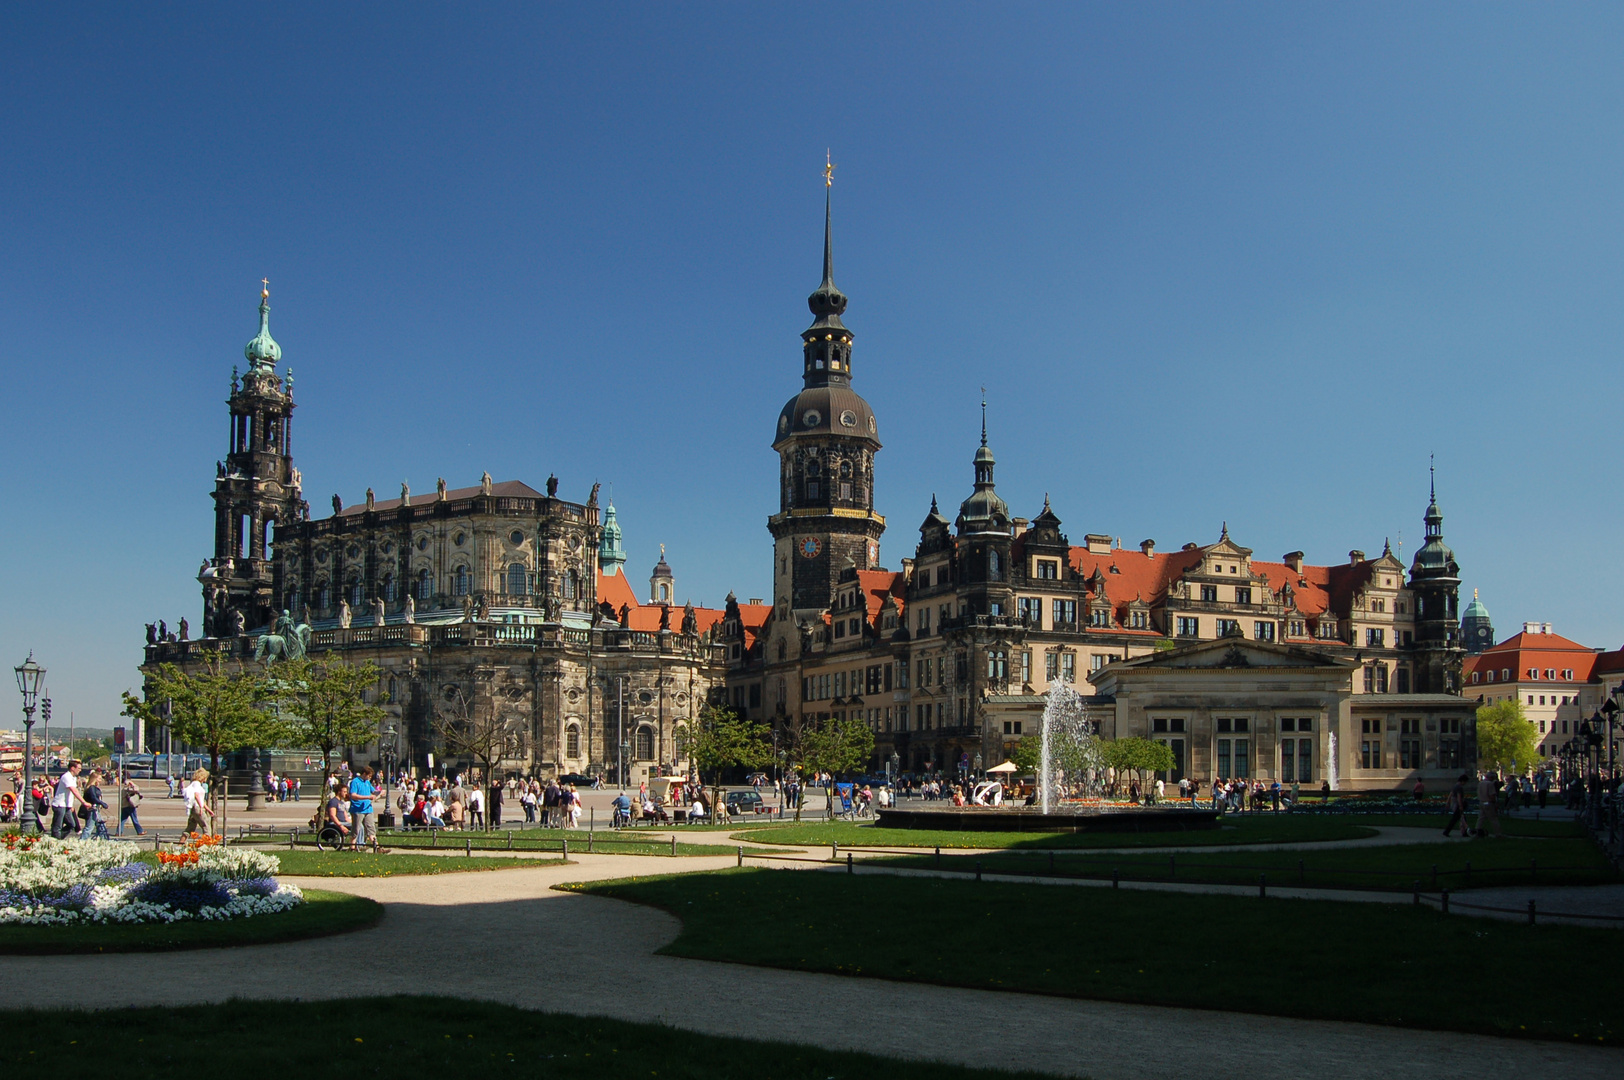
893, 769
388, 751
29, 677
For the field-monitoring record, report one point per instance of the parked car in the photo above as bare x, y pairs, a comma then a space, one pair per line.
578, 779
745, 802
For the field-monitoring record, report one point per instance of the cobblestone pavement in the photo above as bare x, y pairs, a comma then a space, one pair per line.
505, 935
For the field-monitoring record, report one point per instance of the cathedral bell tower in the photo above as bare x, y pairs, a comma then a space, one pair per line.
256, 488
826, 440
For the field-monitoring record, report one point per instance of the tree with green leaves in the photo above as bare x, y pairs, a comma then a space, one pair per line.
219, 706
323, 703
1028, 753
1139, 756
470, 727
1506, 739
833, 746
719, 739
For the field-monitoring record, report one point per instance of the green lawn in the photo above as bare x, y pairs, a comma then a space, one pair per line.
437, 1035
1460, 864
624, 842
323, 913
1546, 826
1381, 963
307, 862
1257, 829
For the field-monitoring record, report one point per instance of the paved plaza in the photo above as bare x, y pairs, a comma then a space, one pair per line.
507, 934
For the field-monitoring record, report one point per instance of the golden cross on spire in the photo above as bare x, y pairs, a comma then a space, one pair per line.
828, 169
265, 288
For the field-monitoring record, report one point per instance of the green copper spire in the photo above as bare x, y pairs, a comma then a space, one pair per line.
611, 556
263, 352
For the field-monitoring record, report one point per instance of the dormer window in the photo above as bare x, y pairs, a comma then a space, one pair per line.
1048, 570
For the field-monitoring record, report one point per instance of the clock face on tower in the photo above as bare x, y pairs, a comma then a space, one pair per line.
873, 553
810, 546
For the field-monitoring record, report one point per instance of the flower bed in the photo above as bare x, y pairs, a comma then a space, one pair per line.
46, 882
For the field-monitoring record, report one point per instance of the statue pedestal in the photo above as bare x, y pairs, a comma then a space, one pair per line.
256, 800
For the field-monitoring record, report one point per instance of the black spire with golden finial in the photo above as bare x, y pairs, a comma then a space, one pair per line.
827, 342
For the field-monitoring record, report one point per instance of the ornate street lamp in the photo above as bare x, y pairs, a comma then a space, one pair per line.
30, 676
388, 752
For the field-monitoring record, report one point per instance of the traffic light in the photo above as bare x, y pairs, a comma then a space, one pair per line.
45, 711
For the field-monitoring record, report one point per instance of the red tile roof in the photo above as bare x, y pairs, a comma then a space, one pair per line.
1148, 577
1540, 651
876, 586
753, 621
616, 590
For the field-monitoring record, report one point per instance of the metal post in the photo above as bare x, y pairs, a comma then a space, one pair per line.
741, 854
978, 868
849, 869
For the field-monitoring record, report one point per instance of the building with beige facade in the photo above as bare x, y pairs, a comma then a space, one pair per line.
947, 658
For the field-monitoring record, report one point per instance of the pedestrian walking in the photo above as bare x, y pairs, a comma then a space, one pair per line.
66, 800
131, 799
1488, 809
364, 822
199, 817
1456, 805
95, 826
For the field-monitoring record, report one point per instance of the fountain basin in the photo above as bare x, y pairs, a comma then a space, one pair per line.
1024, 819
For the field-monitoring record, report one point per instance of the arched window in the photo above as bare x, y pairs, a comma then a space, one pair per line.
425, 586
460, 581
324, 598
353, 589
572, 741
517, 581
388, 591
679, 740
665, 593
645, 744
569, 585
392, 696
995, 569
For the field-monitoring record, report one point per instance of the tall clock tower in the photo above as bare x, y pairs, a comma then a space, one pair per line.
826, 440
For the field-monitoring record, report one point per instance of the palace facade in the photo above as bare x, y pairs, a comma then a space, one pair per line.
1246, 667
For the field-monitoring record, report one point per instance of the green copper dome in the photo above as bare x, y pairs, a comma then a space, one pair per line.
1476, 609
611, 556
262, 351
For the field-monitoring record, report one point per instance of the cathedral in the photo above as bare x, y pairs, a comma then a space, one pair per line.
497, 602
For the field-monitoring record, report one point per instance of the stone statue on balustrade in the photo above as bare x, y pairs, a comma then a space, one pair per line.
285, 641
411, 610
343, 614
377, 611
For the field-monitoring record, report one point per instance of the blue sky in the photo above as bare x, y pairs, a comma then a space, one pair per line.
1213, 262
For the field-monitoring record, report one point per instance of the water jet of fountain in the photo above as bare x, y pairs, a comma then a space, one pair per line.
1064, 716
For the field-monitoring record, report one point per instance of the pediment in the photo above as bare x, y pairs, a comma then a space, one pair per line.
1239, 653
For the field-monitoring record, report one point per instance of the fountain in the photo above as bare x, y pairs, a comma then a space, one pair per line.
1064, 721
1068, 750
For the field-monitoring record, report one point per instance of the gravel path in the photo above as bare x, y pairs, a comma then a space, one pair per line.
506, 935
